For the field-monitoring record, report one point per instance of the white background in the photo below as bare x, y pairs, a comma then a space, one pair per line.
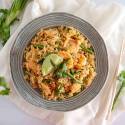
10, 114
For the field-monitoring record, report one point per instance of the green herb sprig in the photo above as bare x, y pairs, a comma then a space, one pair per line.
8, 16
121, 79
5, 89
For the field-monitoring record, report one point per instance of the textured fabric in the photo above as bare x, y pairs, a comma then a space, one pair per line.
109, 22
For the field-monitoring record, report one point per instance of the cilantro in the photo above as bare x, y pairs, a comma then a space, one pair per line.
8, 16
3, 84
121, 79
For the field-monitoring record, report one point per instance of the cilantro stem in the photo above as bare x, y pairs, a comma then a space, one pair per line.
116, 97
121, 79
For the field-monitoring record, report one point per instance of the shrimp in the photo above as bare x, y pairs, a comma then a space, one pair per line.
80, 61
75, 88
72, 45
68, 56
45, 88
32, 66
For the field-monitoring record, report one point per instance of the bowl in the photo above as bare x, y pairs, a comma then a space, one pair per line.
23, 39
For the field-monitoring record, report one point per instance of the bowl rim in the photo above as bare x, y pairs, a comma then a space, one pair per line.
29, 97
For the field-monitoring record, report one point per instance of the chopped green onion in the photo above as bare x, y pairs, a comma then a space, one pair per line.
73, 72
39, 46
88, 50
72, 77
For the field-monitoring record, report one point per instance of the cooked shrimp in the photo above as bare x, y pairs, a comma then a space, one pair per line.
68, 56
80, 61
45, 89
75, 88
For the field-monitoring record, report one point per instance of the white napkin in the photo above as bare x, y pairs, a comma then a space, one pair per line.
109, 21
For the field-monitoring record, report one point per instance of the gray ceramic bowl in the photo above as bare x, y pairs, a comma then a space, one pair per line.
23, 38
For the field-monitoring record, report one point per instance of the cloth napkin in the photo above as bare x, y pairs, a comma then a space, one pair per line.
109, 21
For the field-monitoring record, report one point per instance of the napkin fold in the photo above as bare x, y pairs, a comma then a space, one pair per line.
108, 20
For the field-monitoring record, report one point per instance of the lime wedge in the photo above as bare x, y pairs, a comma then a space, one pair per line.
47, 65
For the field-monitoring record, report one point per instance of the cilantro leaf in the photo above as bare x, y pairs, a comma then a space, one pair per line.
4, 85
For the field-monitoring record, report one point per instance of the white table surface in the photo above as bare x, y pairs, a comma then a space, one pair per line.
10, 114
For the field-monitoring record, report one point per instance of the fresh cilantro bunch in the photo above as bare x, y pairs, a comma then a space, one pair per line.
4, 89
8, 16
